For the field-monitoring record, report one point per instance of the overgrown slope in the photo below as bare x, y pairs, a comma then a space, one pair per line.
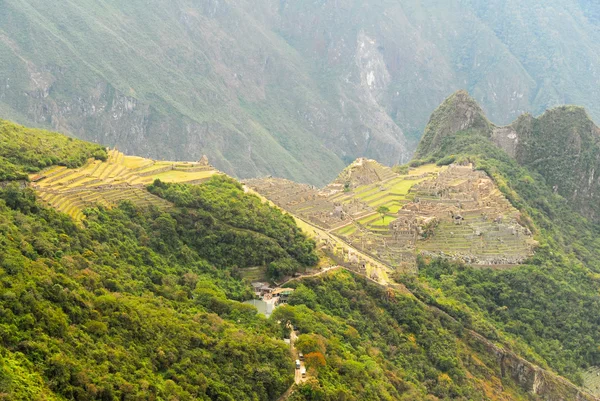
142, 303
26, 150
125, 307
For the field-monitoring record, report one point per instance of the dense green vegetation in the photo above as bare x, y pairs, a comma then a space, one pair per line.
563, 145
137, 305
26, 150
143, 304
228, 227
369, 343
552, 302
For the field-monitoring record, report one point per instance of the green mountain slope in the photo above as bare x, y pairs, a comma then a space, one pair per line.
293, 89
26, 150
545, 310
144, 303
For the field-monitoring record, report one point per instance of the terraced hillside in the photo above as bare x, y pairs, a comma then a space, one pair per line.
591, 380
108, 182
451, 211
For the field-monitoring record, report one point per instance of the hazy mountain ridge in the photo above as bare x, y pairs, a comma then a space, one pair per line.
291, 89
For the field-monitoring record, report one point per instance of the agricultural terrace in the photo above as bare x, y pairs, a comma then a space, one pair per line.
451, 211
120, 177
591, 380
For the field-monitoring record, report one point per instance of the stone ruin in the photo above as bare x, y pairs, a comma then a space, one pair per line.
458, 213
203, 161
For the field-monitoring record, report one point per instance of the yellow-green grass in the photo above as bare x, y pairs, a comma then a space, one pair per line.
180, 176
94, 167
72, 190
102, 168
134, 162
368, 193
426, 168
368, 218
398, 191
395, 206
346, 230
381, 222
389, 201
155, 166
117, 172
83, 183
51, 171
405, 185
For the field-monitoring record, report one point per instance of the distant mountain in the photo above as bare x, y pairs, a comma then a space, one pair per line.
562, 145
293, 89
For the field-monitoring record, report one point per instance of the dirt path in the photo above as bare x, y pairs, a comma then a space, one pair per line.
320, 272
298, 375
293, 337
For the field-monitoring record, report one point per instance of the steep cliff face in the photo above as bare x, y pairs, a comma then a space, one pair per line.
563, 145
542, 384
294, 89
181, 79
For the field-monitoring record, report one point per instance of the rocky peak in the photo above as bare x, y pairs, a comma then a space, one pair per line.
457, 113
563, 145
203, 161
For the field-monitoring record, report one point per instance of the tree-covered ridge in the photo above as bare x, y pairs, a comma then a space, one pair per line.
563, 145
459, 112
552, 302
130, 307
365, 342
257, 234
142, 303
28, 150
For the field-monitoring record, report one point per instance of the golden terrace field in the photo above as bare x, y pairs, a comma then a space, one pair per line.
107, 183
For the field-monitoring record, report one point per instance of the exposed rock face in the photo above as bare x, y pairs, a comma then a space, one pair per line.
215, 78
507, 138
534, 380
563, 145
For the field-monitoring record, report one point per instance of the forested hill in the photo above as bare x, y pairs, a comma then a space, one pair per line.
296, 89
25, 150
143, 303
562, 145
